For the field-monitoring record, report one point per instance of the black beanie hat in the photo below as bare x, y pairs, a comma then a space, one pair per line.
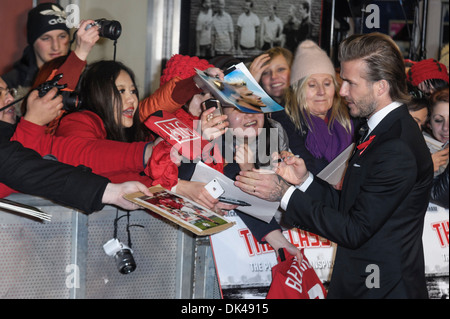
43, 18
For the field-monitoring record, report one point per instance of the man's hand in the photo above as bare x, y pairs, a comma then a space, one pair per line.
268, 186
114, 194
42, 110
290, 167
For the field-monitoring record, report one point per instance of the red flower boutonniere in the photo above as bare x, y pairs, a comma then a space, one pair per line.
362, 147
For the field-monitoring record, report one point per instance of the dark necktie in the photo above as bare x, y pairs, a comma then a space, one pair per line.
363, 132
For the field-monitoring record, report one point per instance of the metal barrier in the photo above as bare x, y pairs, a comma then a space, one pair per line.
65, 259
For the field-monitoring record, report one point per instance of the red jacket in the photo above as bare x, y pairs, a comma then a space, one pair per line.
117, 161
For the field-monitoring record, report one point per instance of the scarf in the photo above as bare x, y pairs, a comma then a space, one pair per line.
326, 144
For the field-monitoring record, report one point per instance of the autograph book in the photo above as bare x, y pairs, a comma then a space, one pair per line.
239, 89
181, 210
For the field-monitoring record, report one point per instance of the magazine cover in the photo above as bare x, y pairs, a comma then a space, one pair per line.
181, 210
239, 89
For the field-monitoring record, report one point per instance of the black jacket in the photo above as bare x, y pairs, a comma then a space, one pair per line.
377, 219
23, 72
26, 171
439, 191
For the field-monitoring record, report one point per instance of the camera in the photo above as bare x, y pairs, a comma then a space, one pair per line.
110, 29
122, 254
71, 100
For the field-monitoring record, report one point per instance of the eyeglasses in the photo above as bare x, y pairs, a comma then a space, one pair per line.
4, 92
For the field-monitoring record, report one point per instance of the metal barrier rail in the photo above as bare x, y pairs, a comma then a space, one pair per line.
65, 259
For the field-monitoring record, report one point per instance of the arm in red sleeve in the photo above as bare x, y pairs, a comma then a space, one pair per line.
71, 70
85, 124
169, 97
101, 155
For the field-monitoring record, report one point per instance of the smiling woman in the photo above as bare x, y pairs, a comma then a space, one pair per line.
107, 89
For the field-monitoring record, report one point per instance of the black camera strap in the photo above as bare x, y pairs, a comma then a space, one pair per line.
12, 103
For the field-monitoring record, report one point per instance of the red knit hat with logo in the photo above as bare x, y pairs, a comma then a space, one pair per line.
426, 70
183, 66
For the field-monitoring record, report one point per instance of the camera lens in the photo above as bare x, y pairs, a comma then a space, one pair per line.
110, 29
125, 261
71, 100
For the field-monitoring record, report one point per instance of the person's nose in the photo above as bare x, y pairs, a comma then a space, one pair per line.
56, 44
343, 91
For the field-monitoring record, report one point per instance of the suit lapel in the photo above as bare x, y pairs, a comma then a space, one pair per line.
356, 161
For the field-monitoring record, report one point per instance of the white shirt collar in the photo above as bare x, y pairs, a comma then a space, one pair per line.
376, 118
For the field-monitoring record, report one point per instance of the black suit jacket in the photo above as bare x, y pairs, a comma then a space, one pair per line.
377, 218
26, 171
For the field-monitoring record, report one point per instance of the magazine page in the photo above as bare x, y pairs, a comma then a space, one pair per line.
181, 210
239, 89
334, 171
256, 207
433, 144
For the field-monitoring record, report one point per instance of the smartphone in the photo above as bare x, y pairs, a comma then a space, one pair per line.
212, 103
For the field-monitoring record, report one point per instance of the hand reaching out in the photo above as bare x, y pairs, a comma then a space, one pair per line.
114, 194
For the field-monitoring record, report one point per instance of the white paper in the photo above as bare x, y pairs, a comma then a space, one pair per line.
334, 171
24, 209
260, 208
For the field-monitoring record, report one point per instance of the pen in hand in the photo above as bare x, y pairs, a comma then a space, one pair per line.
282, 159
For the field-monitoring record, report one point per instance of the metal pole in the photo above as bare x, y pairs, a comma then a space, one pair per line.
423, 49
332, 29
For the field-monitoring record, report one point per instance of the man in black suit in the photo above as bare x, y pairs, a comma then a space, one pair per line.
377, 218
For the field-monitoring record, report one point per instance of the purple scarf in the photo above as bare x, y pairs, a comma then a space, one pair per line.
324, 144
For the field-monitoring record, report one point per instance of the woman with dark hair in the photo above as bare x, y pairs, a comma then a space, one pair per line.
108, 91
110, 111
438, 128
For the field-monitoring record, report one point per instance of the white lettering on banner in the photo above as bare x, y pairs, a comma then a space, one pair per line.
441, 229
297, 237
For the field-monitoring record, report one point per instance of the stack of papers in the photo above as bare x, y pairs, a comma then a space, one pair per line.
10, 205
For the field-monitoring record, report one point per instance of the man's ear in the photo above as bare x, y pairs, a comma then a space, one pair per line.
381, 87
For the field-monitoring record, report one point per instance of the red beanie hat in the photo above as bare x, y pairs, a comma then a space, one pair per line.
183, 67
426, 70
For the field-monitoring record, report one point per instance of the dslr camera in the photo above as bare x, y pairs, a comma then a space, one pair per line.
110, 29
71, 100
122, 254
